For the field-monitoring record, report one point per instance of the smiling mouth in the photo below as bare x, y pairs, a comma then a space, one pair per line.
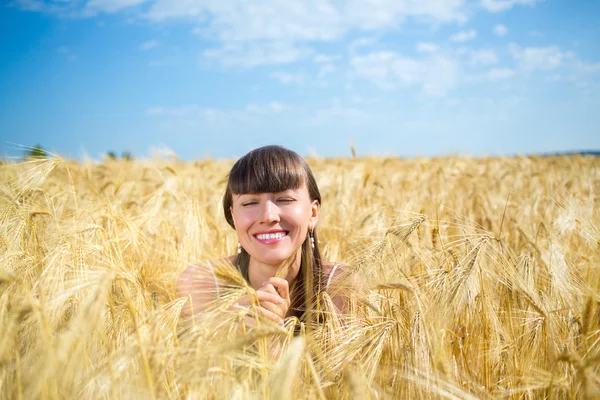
270, 237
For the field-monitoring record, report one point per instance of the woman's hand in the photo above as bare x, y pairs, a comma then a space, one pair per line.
273, 301
277, 287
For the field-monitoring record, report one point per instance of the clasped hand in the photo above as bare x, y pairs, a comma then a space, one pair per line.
273, 301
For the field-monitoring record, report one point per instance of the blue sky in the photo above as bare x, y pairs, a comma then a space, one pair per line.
219, 77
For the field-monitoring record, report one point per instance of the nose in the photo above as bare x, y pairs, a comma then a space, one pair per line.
270, 213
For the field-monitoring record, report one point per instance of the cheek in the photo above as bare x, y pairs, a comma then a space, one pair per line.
242, 220
300, 215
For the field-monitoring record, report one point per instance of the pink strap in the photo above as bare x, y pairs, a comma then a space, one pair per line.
214, 276
331, 276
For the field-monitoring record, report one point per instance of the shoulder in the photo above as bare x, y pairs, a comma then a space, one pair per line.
194, 276
341, 284
199, 284
200, 275
328, 267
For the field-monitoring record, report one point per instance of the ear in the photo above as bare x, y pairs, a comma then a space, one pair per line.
315, 209
232, 216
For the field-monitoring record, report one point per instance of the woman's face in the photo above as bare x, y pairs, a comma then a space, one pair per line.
272, 226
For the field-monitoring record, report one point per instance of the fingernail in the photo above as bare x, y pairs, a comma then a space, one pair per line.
281, 323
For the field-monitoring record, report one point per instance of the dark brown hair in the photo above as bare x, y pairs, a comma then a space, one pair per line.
273, 169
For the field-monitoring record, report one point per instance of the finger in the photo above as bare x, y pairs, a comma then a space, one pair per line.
246, 303
270, 316
243, 301
267, 287
248, 300
270, 297
280, 285
254, 312
273, 308
249, 321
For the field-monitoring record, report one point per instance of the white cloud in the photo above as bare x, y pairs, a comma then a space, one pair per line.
500, 30
275, 19
270, 108
194, 113
555, 78
325, 59
357, 99
587, 68
435, 76
483, 57
357, 44
110, 6
464, 36
497, 74
67, 53
539, 58
424, 47
149, 45
30, 5
502, 5
326, 70
381, 14
557, 65
232, 20
287, 78
63, 8
255, 29
182, 111
276, 106
339, 114
255, 54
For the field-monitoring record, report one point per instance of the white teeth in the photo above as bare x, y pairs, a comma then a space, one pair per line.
268, 236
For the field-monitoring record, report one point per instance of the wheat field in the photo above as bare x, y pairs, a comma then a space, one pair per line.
479, 279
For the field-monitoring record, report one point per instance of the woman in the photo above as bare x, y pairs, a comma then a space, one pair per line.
273, 202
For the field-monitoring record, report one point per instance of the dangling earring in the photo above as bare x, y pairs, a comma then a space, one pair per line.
312, 238
239, 247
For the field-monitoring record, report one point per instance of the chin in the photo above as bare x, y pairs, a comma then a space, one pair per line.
274, 257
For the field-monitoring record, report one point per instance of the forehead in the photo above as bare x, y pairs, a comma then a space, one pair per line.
300, 191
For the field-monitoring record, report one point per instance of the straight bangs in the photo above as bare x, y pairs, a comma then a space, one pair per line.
270, 169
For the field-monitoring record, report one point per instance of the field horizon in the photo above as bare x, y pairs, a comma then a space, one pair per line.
168, 154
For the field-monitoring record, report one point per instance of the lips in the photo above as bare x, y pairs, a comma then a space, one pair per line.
270, 237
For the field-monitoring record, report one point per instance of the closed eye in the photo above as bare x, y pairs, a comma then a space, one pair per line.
285, 200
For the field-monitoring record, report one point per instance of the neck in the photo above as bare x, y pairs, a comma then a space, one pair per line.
259, 272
